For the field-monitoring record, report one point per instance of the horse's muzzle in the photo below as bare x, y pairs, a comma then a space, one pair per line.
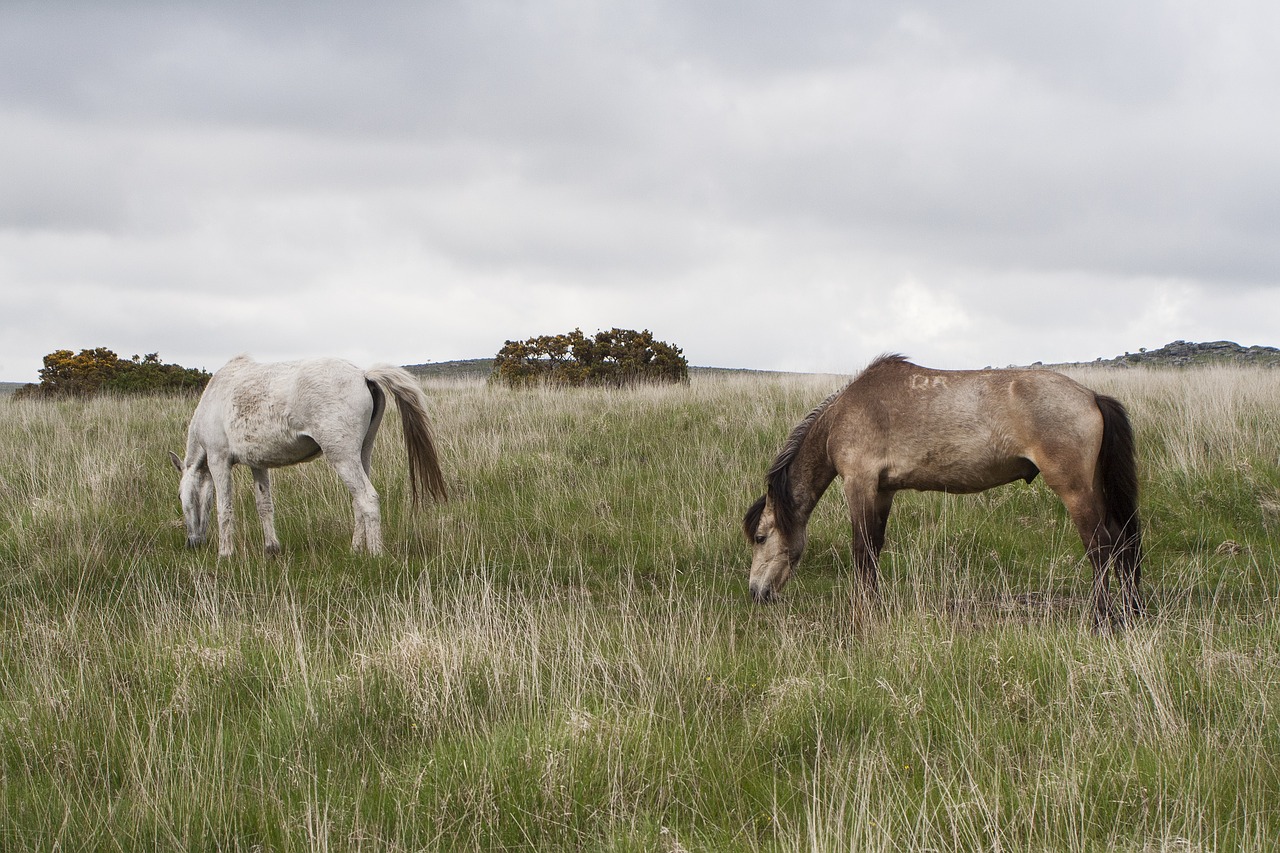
763, 594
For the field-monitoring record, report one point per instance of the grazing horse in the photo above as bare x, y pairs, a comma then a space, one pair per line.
900, 426
271, 415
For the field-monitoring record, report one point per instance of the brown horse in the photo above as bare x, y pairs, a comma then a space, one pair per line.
899, 426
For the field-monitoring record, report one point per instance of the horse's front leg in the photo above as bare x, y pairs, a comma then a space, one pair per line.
266, 509
869, 518
220, 470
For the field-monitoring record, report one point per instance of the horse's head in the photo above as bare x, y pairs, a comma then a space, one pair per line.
196, 493
775, 549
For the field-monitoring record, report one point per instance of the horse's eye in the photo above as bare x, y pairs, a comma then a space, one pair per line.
761, 539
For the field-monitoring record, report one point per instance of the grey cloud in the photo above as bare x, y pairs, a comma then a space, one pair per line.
589, 156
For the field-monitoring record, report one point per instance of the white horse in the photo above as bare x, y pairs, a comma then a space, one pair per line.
271, 415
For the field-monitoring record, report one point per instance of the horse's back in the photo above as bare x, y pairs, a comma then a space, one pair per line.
958, 430
279, 413
992, 399
302, 384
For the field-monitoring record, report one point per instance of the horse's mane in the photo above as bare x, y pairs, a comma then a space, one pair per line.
884, 358
778, 478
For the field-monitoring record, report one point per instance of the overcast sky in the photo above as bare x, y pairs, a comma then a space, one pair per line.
795, 186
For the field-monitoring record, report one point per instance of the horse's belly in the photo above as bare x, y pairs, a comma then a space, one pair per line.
961, 479
279, 452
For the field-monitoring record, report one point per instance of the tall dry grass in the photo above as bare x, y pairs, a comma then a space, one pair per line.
564, 656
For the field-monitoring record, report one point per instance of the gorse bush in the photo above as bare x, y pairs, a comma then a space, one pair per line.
617, 358
68, 374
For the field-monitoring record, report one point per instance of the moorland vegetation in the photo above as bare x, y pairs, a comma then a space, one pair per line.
565, 656
617, 358
100, 370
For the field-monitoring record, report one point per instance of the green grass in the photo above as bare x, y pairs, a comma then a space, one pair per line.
564, 656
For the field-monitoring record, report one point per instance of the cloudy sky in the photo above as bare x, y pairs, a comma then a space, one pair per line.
794, 186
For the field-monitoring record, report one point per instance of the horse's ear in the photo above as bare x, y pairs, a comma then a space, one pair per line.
177, 463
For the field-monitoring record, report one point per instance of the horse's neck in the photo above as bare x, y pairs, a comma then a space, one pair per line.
812, 471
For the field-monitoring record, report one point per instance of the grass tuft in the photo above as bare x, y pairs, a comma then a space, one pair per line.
564, 656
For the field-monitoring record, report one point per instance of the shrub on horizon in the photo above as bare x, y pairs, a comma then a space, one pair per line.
617, 358
67, 374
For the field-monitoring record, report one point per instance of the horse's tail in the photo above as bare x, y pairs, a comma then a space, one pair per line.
424, 464
1118, 463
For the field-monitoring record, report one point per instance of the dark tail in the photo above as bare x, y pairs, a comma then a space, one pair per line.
1118, 463
424, 465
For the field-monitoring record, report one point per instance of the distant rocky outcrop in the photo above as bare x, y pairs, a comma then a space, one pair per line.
1189, 353
468, 368
1184, 354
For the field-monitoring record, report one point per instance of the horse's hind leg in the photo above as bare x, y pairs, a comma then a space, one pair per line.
1127, 561
364, 504
266, 509
1085, 508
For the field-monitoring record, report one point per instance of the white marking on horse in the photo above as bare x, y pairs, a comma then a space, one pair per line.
920, 382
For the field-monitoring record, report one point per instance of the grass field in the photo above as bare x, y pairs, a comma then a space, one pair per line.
565, 657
